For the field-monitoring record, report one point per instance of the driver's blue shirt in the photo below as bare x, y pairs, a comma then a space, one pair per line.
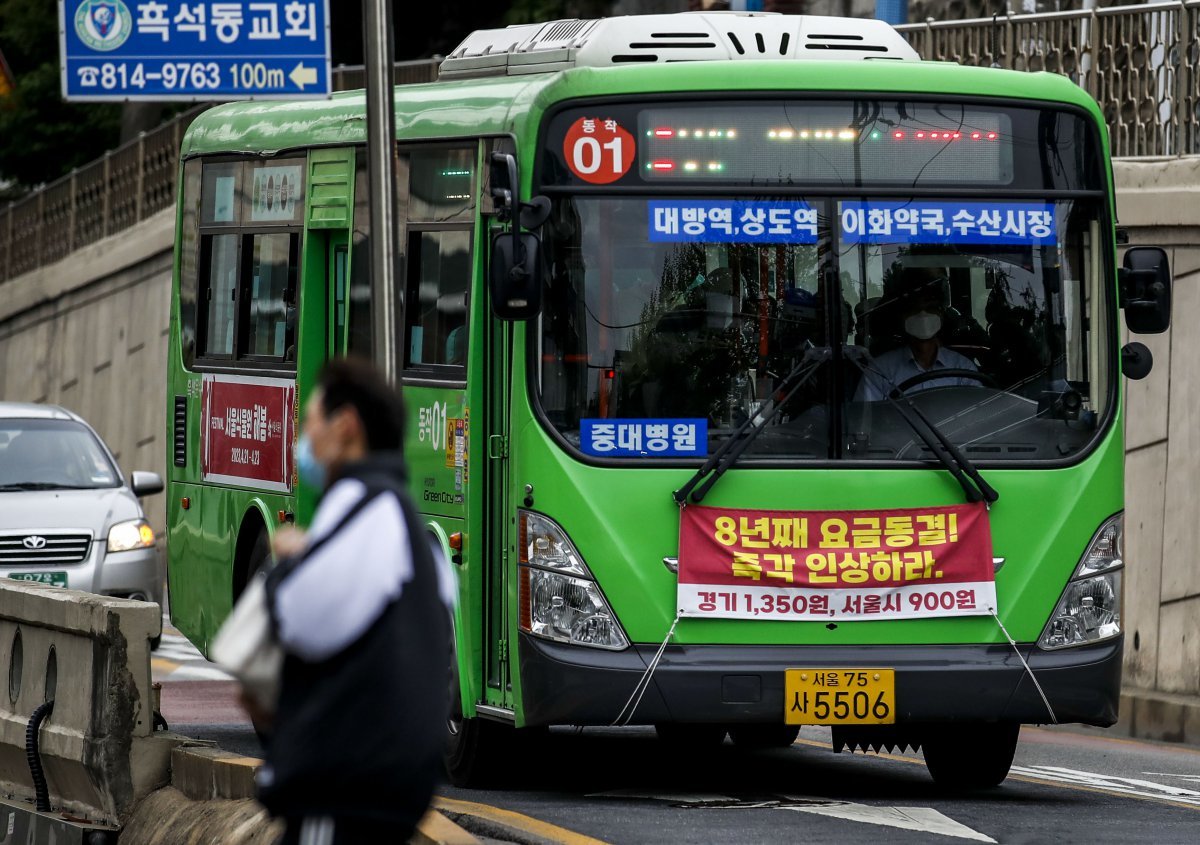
899, 364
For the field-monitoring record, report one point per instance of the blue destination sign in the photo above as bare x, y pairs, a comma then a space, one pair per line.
913, 222
179, 50
640, 438
732, 221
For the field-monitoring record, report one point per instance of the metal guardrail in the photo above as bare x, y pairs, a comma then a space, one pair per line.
1140, 63
123, 187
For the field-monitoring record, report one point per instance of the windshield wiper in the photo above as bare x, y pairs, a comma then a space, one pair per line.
39, 485
974, 486
727, 453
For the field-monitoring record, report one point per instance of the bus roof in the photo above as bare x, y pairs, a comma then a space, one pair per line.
514, 104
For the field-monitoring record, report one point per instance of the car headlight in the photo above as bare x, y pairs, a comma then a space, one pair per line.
1090, 607
559, 598
127, 536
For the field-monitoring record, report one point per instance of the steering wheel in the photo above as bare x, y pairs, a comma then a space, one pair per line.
933, 375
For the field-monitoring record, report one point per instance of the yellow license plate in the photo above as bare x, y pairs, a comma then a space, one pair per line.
840, 697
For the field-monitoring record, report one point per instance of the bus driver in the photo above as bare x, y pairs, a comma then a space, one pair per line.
923, 317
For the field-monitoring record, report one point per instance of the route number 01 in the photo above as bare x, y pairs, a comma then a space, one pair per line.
598, 150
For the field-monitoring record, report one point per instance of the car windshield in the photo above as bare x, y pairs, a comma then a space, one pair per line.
42, 454
661, 320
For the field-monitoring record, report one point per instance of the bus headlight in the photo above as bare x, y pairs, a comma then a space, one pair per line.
559, 599
1090, 607
127, 536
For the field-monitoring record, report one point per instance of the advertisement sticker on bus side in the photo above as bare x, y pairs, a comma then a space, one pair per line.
909, 563
249, 429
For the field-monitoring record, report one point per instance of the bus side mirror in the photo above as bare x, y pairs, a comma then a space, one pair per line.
515, 275
1145, 289
515, 272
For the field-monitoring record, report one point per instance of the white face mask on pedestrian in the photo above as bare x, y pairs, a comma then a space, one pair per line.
923, 325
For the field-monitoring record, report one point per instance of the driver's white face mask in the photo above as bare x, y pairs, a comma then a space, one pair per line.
923, 325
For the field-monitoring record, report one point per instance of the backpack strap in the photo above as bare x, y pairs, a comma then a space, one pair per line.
286, 566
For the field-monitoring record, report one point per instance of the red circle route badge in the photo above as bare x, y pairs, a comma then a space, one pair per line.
598, 150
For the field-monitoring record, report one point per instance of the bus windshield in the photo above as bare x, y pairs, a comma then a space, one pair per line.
668, 310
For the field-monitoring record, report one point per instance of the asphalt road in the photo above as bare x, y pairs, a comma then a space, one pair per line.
622, 786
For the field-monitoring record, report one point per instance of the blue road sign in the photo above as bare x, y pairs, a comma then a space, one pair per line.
180, 50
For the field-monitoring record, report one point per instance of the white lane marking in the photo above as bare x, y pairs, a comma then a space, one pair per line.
191, 665
920, 819
672, 797
1111, 783
1192, 778
196, 673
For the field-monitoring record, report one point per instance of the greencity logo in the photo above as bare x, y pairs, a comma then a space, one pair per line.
104, 25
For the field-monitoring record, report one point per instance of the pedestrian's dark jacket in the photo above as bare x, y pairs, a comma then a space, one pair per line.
364, 620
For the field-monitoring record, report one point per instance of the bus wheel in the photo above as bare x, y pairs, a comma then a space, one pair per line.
474, 751
689, 737
474, 748
260, 553
971, 756
764, 736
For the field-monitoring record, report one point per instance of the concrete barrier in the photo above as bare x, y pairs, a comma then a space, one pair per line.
90, 654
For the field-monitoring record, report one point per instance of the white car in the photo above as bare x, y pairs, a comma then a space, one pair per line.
67, 516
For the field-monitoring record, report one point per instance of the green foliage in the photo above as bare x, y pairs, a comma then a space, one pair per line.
41, 137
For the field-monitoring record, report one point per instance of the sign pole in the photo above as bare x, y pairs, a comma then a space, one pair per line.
381, 158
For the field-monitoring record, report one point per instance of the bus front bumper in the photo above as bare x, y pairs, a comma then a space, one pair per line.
573, 685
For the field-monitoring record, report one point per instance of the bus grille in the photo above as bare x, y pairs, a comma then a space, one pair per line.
25, 549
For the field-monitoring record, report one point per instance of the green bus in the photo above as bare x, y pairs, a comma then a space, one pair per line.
758, 375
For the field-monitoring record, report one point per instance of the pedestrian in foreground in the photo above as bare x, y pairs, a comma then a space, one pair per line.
360, 604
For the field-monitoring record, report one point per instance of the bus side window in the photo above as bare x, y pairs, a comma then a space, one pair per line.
436, 298
251, 213
218, 295
270, 298
189, 254
358, 338
440, 215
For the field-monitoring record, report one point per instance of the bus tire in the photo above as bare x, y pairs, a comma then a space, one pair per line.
759, 737
473, 756
971, 756
475, 749
686, 737
260, 553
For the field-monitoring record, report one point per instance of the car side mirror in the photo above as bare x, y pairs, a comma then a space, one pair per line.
145, 483
515, 271
1145, 289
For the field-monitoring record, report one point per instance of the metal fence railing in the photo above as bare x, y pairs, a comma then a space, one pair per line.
123, 187
1140, 63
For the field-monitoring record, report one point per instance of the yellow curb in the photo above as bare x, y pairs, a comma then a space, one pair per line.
436, 829
525, 824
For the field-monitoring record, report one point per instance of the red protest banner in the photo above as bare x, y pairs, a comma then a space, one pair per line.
248, 429
877, 564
